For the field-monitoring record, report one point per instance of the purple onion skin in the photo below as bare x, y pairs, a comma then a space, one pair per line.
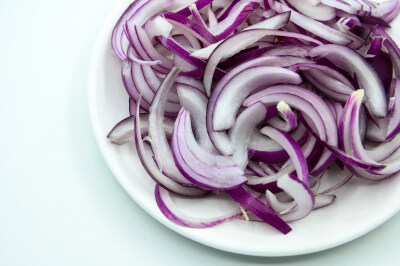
262, 188
199, 4
383, 66
170, 215
254, 205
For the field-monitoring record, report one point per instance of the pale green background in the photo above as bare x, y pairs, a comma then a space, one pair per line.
59, 203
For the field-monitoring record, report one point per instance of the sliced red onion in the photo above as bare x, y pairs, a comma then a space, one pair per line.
178, 50
130, 87
308, 149
289, 121
186, 24
227, 7
244, 126
331, 106
242, 58
353, 63
266, 150
383, 67
263, 61
310, 104
147, 93
237, 15
323, 87
339, 110
160, 146
150, 50
377, 132
344, 179
181, 52
327, 80
238, 42
340, 5
124, 131
346, 158
135, 23
277, 206
199, 5
321, 200
180, 5
132, 107
188, 41
315, 27
132, 56
269, 169
324, 200
131, 32
391, 104
248, 172
289, 49
152, 169
372, 49
301, 194
205, 174
394, 119
219, 138
273, 23
263, 65
255, 167
303, 100
158, 26
292, 148
196, 15
254, 205
350, 141
391, 164
174, 214
230, 97
209, 158
196, 103
154, 83
345, 24
330, 72
119, 42
212, 19
349, 118
387, 10
314, 9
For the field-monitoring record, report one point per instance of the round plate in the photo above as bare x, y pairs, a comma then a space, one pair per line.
359, 208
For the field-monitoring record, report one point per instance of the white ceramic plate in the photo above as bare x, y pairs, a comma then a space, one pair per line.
360, 206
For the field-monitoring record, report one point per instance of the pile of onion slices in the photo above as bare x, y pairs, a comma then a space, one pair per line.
258, 101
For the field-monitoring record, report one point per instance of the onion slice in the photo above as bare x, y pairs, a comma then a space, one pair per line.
258, 103
238, 42
292, 148
175, 215
228, 100
152, 169
240, 133
254, 205
124, 131
273, 23
160, 146
367, 77
301, 194
197, 165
